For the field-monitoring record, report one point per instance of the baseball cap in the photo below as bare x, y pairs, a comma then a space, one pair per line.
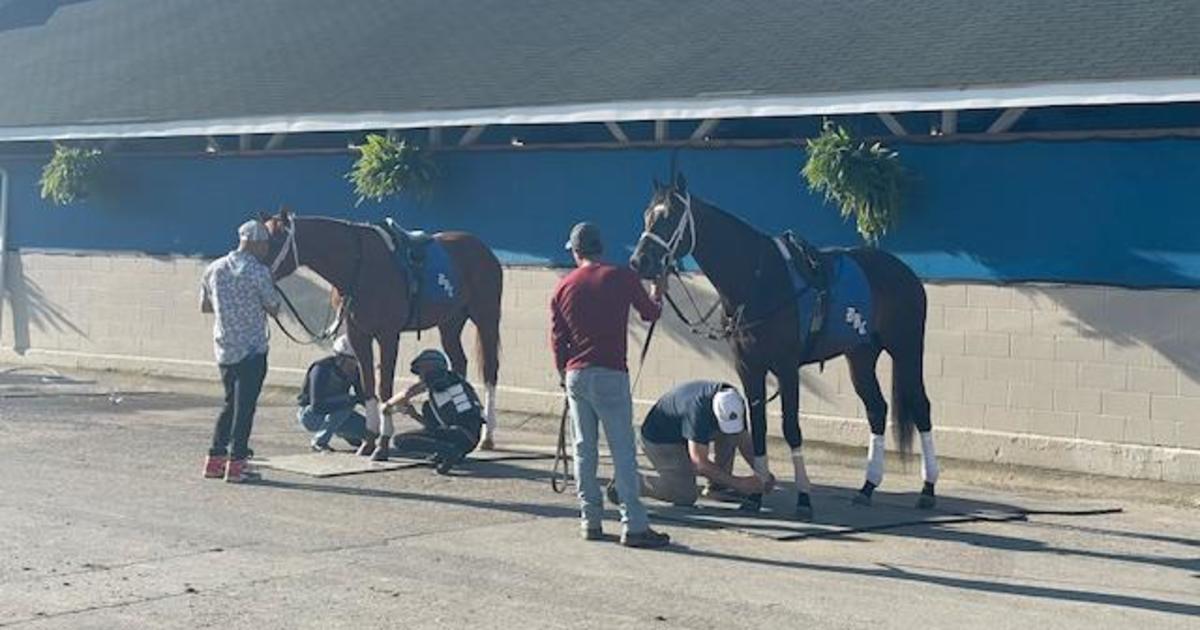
730, 409
585, 239
253, 230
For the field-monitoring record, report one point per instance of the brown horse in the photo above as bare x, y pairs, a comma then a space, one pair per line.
354, 258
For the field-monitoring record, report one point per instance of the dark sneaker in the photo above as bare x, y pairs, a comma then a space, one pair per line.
592, 533
648, 539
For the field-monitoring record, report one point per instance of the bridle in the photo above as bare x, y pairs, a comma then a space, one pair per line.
289, 245
687, 224
331, 330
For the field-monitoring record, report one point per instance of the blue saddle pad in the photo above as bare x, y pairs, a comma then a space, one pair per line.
847, 313
439, 278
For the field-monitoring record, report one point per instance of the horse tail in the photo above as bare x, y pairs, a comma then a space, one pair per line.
910, 403
486, 317
902, 418
487, 353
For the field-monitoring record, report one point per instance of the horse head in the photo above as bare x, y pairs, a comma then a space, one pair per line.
668, 232
282, 256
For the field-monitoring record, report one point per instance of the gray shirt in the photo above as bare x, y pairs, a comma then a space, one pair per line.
240, 289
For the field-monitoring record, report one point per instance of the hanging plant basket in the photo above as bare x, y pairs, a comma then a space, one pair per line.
71, 174
386, 167
865, 181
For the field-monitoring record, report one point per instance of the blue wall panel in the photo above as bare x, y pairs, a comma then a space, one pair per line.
1096, 211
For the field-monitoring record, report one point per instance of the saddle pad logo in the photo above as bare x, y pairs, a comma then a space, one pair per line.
446, 285
856, 320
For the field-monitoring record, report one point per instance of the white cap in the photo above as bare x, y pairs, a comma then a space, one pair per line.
730, 409
254, 231
342, 347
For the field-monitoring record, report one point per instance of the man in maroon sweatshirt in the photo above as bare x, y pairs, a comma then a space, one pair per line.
589, 322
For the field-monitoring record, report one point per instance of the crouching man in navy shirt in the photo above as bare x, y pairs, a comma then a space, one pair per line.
676, 436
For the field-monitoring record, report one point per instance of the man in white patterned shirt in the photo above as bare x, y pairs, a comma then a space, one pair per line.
239, 290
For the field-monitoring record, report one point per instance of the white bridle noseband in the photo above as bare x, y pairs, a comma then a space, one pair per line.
686, 223
289, 244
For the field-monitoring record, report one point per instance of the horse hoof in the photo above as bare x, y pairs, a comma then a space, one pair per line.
487, 444
751, 504
804, 510
367, 447
861, 500
926, 502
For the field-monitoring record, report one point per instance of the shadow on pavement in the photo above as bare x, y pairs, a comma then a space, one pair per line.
973, 584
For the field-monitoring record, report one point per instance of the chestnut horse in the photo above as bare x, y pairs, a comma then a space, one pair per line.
763, 322
372, 294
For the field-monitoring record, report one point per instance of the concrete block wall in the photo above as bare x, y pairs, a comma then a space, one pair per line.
1092, 379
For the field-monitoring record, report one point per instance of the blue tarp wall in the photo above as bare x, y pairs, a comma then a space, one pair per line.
1108, 212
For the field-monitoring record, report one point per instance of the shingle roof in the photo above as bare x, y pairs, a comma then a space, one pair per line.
156, 67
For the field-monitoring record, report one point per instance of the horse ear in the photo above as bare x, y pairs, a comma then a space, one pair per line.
262, 216
680, 182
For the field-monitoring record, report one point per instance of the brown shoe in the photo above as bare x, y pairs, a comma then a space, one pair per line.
648, 539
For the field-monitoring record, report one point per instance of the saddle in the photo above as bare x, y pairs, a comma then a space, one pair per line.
409, 253
810, 262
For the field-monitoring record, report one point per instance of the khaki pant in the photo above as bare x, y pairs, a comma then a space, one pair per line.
675, 481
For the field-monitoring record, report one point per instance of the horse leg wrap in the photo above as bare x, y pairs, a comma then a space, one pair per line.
374, 416
875, 460
489, 411
803, 485
929, 465
386, 428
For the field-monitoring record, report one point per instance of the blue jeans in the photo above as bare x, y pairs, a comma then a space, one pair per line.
344, 423
600, 395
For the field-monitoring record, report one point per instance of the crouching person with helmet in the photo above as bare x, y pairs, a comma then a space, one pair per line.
451, 418
676, 436
332, 389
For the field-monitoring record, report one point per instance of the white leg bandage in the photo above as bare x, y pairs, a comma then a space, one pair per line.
802, 482
929, 465
386, 427
374, 418
875, 460
489, 409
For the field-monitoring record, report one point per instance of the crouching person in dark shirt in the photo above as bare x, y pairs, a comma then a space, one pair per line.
676, 436
332, 389
451, 418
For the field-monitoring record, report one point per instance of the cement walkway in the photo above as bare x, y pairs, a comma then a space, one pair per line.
107, 524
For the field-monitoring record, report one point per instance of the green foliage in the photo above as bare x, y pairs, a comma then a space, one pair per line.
865, 181
386, 167
70, 175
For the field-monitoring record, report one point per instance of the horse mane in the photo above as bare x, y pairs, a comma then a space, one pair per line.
729, 217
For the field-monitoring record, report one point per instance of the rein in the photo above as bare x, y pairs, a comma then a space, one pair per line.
331, 330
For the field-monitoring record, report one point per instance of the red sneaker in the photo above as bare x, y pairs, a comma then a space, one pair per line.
240, 471
214, 466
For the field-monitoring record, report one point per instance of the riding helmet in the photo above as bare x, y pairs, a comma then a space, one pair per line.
436, 356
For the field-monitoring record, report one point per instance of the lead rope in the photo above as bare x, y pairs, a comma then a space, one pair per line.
560, 476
